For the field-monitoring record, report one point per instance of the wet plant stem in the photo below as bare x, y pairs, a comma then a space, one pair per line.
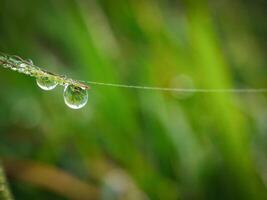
15, 63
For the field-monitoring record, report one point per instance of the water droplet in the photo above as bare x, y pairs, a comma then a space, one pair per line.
22, 67
46, 83
14, 68
30, 61
75, 97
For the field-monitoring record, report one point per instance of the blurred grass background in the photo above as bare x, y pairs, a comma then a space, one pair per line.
132, 144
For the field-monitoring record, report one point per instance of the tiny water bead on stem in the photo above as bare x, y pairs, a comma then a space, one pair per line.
75, 92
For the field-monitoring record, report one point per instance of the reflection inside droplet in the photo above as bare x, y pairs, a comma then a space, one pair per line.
46, 83
75, 97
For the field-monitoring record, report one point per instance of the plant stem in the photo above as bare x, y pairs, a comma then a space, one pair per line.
4, 189
16, 63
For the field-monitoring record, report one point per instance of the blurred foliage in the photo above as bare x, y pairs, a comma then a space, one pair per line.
131, 144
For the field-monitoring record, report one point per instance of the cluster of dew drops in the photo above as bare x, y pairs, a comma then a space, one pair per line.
74, 97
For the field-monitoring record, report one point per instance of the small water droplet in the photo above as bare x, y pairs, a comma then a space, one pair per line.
30, 61
22, 67
14, 68
46, 83
75, 97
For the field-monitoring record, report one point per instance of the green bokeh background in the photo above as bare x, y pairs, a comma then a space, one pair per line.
138, 144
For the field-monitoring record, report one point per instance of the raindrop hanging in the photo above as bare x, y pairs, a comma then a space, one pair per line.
75, 97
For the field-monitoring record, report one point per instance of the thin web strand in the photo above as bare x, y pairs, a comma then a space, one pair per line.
189, 90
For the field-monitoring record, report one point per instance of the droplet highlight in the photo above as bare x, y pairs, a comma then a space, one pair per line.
46, 83
75, 97
22, 67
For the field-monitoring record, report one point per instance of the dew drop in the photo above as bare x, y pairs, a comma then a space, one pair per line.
46, 83
14, 68
75, 97
30, 61
22, 67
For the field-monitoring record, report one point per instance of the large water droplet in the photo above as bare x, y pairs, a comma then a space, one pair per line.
75, 97
46, 83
